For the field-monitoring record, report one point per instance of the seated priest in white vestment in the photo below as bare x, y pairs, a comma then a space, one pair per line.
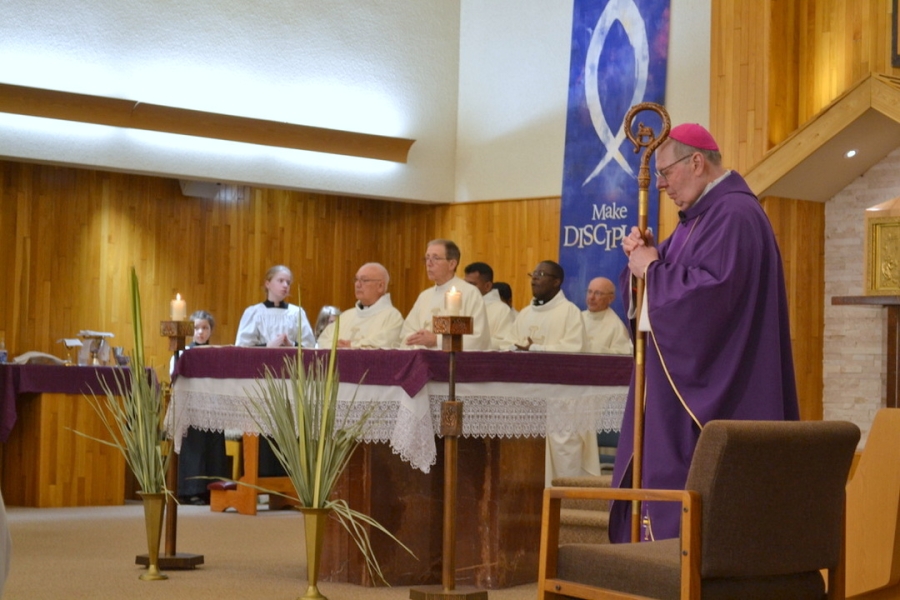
500, 317
505, 292
441, 259
552, 323
605, 332
373, 322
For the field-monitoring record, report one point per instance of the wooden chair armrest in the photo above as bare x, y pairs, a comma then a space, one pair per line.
690, 529
627, 494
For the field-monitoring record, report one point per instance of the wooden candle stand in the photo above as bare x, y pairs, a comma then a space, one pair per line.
452, 329
177, 332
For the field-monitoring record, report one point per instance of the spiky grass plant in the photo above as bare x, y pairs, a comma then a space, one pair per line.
132, 410
298, 410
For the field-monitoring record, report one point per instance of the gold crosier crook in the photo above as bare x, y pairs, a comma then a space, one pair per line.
644, 139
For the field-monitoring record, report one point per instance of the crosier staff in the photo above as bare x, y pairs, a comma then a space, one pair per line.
644, 139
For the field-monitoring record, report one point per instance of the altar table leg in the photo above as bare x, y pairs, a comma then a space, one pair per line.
500, 487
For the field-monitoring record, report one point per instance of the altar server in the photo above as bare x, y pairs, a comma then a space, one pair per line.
274, 322
202, 452
327, 316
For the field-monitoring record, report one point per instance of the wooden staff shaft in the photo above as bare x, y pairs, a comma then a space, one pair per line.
647, 140
640, 344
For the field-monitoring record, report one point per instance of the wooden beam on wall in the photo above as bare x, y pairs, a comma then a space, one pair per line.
115, 112
805, 140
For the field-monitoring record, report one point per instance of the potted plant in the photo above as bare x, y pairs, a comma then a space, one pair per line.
132, 410
297, 408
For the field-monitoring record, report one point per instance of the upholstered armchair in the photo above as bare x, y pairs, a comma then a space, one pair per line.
762, 518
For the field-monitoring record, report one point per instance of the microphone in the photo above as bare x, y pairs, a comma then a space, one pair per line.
682, 217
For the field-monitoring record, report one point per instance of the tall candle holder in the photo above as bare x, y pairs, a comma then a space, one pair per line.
177, 332
452, 330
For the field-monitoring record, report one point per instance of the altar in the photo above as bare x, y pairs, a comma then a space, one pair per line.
510, 402
44, 462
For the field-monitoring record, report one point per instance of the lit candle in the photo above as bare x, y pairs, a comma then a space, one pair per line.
179, 309
453, 301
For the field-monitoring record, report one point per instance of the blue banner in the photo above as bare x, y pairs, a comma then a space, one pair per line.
619, 53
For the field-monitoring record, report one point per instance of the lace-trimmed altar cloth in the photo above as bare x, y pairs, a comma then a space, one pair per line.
502, 393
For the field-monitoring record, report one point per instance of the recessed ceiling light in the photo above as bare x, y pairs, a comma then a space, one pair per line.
850, 154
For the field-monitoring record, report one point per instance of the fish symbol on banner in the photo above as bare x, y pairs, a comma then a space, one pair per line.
625, 12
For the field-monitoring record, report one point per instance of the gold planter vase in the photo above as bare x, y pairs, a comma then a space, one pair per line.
154, 508
314, 521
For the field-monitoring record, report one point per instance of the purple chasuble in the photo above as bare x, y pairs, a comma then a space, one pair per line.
719, 327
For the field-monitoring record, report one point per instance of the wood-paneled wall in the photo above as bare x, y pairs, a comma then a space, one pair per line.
774, 65
53, 466
69, 236
841, 41
800, 230
737, 64
511, 236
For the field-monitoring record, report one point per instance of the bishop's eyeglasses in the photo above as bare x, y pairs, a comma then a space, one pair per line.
664, 172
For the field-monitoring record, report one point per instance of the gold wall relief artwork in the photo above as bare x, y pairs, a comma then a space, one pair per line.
882, 266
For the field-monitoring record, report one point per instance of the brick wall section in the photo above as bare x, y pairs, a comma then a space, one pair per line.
854, 338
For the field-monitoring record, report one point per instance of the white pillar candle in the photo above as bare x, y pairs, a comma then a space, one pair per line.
453, 301
179, 309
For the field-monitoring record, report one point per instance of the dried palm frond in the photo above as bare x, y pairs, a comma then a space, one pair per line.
132, 410
297, 408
